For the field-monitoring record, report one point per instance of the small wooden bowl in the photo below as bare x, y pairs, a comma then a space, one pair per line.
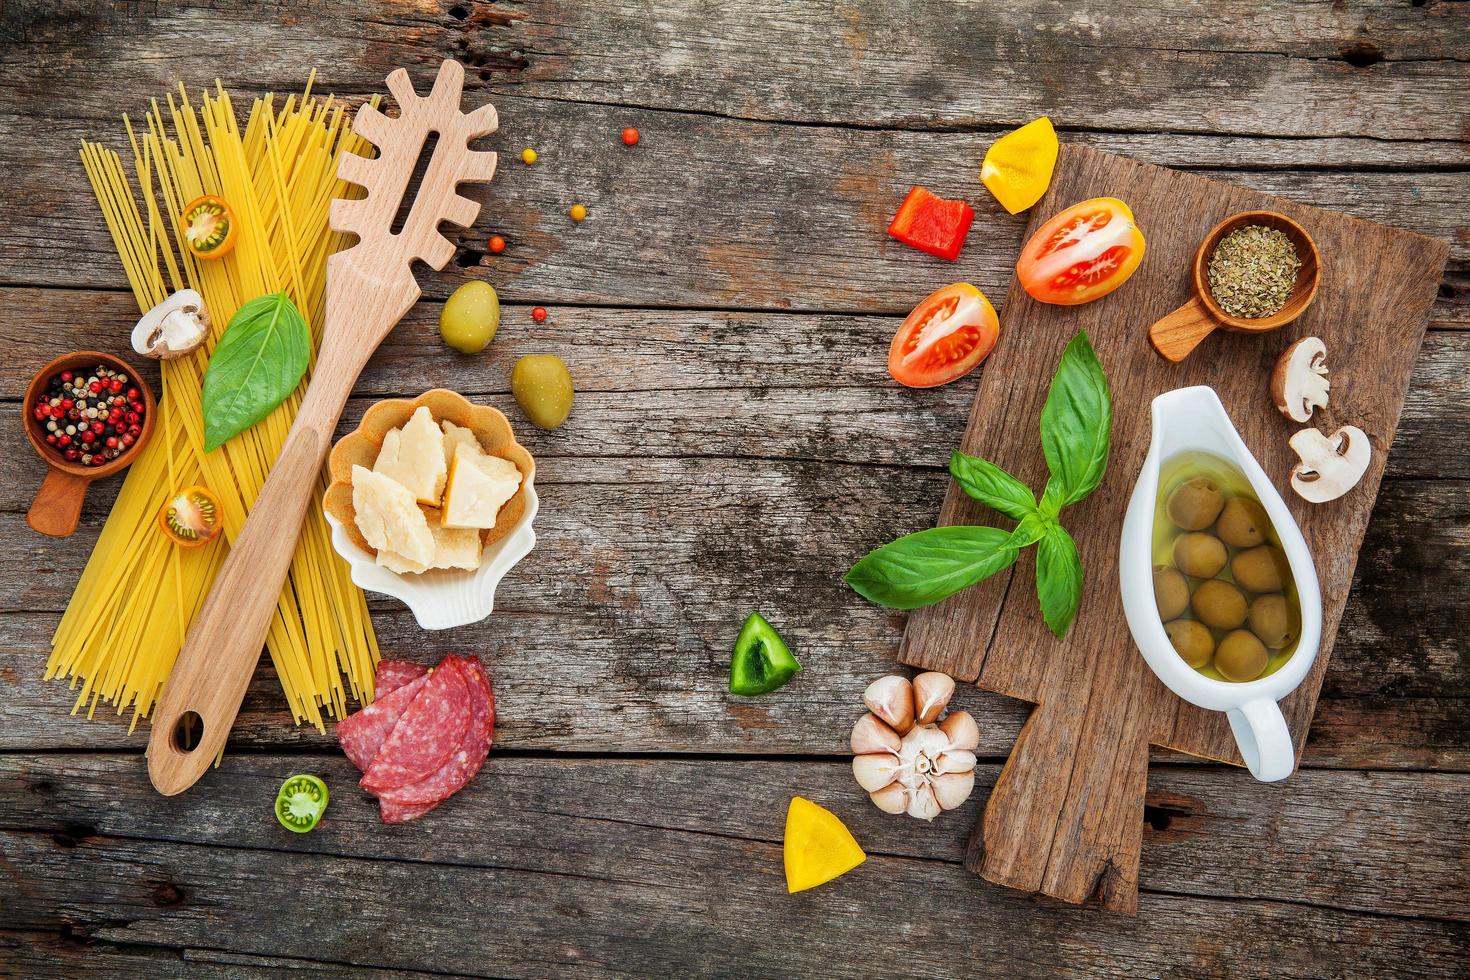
1180, 332
58, 504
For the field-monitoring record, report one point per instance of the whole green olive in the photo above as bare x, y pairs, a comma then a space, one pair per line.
1171, 592
1219, 604
1199, 554
543, 388
470, 316
1274, 620
1193, 641
1243, 523
1194, 504
1240, 657
1260, 569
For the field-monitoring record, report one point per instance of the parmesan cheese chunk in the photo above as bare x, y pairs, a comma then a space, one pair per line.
414, 457
453, 548
455, 436
478, 486
389, 517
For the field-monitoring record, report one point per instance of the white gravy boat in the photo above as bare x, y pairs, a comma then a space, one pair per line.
1192, 419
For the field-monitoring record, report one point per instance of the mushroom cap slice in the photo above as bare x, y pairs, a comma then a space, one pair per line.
1299, 382
1330, 465
173, 328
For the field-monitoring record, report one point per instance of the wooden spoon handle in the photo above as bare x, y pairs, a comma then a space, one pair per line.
58, 504
1175, 335
225, 641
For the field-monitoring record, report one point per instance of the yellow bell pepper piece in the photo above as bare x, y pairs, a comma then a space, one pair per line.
1018, 166
818, 846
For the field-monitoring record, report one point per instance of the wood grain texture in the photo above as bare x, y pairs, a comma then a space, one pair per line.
773, 449
577, 848
1058, 820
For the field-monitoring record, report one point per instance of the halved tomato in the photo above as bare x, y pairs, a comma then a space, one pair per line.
1085, 252
946, 337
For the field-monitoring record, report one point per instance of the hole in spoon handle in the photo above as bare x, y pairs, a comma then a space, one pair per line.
1179, 333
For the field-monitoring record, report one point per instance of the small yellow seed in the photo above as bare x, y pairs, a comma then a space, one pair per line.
528, 156
578, 212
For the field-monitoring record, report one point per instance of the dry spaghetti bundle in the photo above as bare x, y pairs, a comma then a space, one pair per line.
139, 592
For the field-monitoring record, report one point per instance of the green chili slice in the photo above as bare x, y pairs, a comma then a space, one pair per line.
301, 802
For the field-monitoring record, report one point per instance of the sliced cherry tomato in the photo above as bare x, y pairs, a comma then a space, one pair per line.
191, 517
208, 227
1085, 252
946, 337
300, 803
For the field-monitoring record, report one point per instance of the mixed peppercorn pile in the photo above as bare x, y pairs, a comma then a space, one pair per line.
91, 417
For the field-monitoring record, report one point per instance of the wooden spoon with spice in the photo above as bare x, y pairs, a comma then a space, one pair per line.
1254, 272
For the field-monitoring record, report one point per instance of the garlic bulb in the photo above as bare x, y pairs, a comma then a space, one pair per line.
904, 756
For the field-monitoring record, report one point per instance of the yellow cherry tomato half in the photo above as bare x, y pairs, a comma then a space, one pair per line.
209, 227
191, 517
945, 337
1082, 254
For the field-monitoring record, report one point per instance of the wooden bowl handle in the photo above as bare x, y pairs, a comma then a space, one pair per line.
58, 504
225, 641
1175, 335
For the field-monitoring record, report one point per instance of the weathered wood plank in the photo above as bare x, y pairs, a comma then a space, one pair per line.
583, 704
795, 220
1236, 67
576, 840
777, 386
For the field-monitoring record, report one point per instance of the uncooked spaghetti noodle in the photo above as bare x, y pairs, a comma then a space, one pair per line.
137, 596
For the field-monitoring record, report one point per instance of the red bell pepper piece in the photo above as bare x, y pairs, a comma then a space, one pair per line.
932, 224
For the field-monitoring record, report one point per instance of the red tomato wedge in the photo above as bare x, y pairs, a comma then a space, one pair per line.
1085, 252
946, 337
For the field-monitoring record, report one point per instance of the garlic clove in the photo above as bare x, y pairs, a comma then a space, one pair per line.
893, 798
892, 699
875, 771
955, 760
924, 805
953, 788
921, 746
962, 731
870, 734
932, 691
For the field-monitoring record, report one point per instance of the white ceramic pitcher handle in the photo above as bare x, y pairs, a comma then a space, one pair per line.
1264, 740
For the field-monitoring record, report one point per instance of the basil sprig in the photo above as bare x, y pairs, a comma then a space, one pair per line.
1076, 432
258, 362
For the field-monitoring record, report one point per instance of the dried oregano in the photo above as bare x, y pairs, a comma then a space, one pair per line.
1253, 271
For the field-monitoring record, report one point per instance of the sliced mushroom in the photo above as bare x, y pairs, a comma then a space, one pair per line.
1299, 383
174, 327
1330, 465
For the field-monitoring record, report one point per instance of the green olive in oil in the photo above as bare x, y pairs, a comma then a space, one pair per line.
1242, 617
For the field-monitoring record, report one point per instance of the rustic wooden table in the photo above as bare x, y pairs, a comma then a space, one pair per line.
736, 444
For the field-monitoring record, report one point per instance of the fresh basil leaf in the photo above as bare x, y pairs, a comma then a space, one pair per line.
1030, 530
920, 569
1076, 425
257, 363
991, 485
1058, 578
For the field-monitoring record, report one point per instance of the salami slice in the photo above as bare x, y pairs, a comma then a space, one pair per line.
427, 733
363, 733
394, 813
467, 758
393, 674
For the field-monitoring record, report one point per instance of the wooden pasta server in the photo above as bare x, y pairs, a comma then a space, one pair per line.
370, 286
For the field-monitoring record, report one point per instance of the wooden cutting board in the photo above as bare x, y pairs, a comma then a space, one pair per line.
1066, 816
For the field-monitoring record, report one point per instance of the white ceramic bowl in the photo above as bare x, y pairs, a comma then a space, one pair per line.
442, 598
1193, 419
